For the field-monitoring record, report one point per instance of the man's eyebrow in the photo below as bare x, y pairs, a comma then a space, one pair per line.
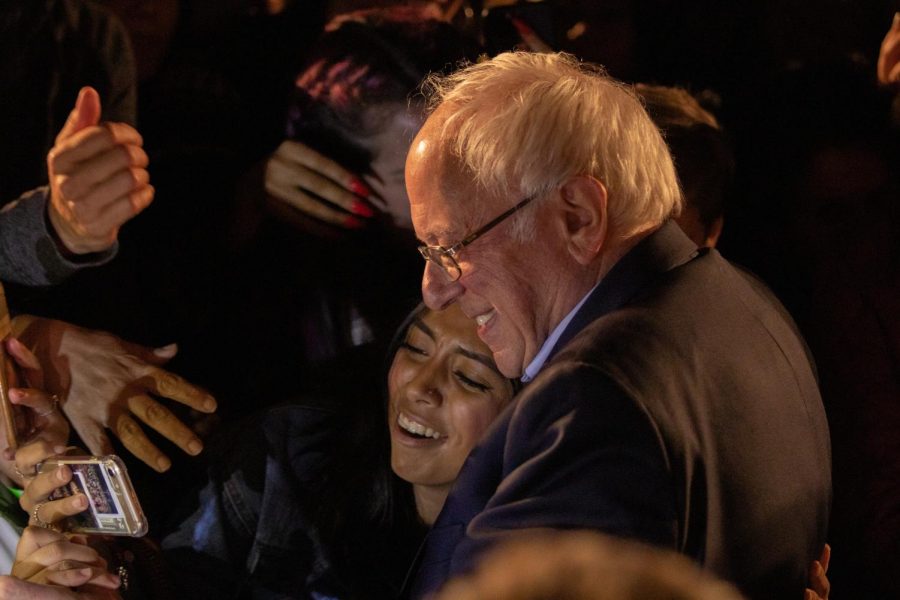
482, 358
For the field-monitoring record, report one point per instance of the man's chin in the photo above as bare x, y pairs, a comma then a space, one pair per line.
508, 363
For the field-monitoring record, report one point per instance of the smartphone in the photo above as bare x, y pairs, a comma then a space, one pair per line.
113, 507
13, 416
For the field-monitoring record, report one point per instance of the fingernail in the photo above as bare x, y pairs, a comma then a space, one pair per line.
59, 449
80, 502
195, 447
359, 188
62, 473
209, 405
352, 222
16, 395
166, 351
362, 209
86, 572
163, 464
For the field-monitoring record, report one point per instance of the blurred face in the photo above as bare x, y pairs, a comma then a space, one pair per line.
389, 148
444, 393
515, 292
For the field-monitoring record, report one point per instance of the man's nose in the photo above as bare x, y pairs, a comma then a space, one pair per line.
438, 291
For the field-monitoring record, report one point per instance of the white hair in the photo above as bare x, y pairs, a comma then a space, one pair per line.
532, 121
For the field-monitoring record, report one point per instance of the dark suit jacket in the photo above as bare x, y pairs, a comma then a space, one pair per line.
680, 407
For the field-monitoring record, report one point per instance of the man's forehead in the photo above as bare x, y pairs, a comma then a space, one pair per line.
442, 216
441, 193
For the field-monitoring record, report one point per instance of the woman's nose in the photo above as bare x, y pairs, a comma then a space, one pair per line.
427, 395
437, 289
427, 386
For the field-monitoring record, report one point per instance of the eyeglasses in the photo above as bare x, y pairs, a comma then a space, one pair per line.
445, 258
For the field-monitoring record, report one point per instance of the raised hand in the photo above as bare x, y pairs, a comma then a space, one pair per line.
317, 186
104, 382
98, 178
889, 57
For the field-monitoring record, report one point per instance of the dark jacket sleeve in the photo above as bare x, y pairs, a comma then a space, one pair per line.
28, 253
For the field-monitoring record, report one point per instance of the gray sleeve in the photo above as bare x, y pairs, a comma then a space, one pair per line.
28, 253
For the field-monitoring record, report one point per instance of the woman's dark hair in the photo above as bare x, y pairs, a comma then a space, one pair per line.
369, 60
366, 515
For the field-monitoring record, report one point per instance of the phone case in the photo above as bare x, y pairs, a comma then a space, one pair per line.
113, 507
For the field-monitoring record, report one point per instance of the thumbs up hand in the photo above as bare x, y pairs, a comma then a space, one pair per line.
98, 178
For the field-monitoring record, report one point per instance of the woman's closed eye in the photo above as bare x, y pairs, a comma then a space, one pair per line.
414, 349
471, 383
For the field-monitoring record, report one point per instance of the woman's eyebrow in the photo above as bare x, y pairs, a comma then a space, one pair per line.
425, 328
482, 358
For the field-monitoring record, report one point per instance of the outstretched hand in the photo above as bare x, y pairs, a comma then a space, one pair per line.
104, 382
98, 178
317, 186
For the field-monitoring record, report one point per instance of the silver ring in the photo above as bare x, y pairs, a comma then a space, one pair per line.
37, 520
55, 407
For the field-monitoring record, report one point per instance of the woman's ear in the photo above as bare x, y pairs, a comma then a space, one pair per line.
584, 202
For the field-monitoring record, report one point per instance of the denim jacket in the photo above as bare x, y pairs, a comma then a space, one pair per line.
250, 536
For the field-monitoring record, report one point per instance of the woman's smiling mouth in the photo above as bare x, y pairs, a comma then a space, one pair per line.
407, 424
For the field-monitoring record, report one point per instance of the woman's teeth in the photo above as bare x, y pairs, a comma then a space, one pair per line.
482, 319
411, 426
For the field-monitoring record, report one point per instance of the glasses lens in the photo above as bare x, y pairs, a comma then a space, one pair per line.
440, 257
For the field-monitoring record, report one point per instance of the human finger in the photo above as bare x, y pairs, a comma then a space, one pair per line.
136, 441
116, 162
284, 175
26, 361
169, 385
529, 36
44, 420
121, 210
31, 454
85, 113
70, 573
291, 151
301, 201
98, 198
39, 548
165, 422
64, 157
889, 55
13, 588
41, 486
49, 512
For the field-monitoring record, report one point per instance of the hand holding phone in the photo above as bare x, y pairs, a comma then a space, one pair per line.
112, 504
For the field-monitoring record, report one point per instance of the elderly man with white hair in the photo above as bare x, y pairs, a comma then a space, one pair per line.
671, 398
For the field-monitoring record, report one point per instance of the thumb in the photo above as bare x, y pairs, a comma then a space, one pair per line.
85, 114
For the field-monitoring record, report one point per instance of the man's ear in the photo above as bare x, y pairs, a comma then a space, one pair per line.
584, 202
